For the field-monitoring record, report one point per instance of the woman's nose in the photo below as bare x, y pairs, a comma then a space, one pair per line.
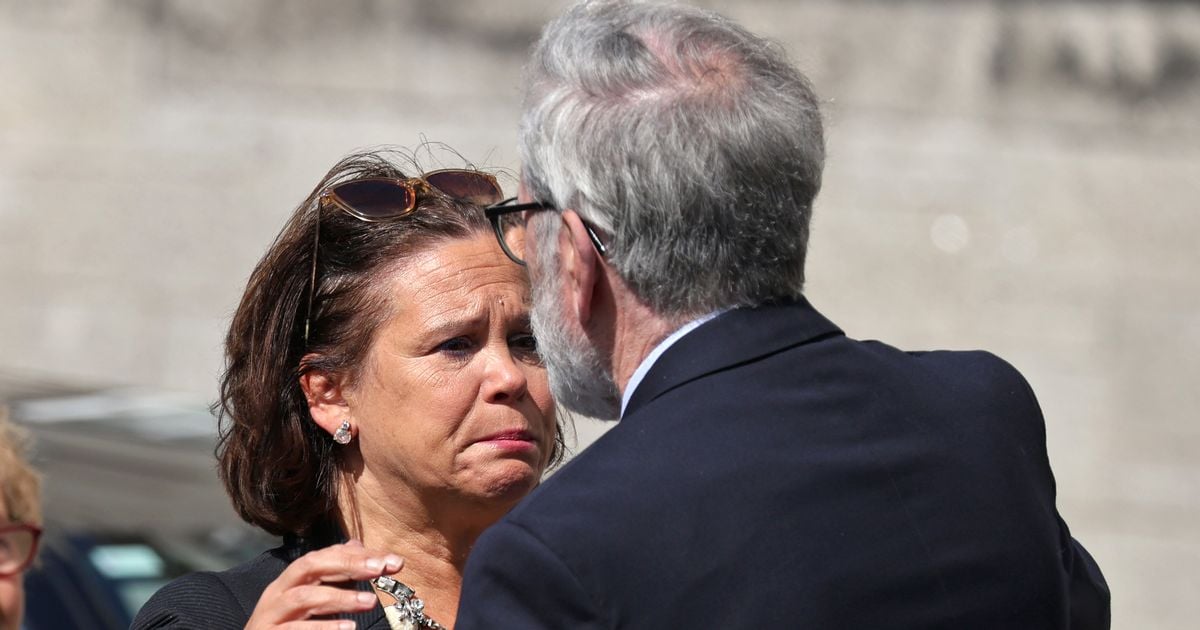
505, 380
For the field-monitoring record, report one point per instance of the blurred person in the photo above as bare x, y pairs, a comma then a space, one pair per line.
767, 471
20, 521
383, 398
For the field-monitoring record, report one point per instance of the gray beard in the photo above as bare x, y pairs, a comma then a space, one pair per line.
579, 377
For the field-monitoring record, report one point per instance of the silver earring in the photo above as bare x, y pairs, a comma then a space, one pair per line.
342, 435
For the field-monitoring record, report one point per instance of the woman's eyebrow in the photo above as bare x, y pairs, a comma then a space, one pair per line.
523, 320
453, 326
454, 322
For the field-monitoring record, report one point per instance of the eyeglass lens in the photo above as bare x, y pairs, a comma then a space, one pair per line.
476, 188
375, 198
16, 549
511, 230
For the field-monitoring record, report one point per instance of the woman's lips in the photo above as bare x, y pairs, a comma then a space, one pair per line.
516, 440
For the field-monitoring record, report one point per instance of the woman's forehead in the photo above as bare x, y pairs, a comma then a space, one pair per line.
458, 278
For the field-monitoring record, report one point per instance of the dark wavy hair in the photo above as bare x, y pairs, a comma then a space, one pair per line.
280, 469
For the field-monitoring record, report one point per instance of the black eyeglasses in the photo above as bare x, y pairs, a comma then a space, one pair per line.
508, 220
18, 547
375, 199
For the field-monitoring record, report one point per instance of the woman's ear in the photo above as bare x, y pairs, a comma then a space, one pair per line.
326, 400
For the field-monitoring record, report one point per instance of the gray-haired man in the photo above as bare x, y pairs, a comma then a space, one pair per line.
768, 471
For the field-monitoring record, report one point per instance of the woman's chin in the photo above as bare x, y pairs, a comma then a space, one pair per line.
508, 481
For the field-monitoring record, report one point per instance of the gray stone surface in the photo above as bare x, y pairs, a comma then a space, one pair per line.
1021, 177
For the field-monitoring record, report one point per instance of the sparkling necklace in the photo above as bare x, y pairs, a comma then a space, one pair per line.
409, 608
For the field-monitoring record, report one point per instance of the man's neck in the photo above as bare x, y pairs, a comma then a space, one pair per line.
637, 329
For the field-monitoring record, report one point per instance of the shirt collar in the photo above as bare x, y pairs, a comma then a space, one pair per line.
647, 363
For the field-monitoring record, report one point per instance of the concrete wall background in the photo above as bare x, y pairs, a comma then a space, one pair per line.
1020, 177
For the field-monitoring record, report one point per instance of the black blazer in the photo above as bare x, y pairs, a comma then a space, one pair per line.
769, 472
226, 599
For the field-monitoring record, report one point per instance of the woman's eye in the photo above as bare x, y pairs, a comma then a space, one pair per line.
457, 345
525, 344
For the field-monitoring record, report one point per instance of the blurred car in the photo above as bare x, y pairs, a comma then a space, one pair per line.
98, 581
86, 581
131, 498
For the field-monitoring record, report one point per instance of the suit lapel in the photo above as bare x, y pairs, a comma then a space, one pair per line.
738, 336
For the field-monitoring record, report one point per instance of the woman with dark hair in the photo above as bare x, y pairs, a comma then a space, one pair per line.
383, 398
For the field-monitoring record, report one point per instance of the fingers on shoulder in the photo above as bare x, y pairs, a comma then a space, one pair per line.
332, 624
313, 600
342, 563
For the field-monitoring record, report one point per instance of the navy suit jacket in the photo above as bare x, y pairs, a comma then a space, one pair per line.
770, 472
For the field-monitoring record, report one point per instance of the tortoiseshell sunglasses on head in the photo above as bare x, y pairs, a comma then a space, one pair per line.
375, 199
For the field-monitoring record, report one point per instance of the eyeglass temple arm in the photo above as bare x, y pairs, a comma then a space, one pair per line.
596, 242
507, 207
312, 278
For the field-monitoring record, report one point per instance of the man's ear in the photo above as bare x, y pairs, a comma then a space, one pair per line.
326, 400
581, 265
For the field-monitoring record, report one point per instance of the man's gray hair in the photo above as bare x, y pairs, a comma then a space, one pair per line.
693, 143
